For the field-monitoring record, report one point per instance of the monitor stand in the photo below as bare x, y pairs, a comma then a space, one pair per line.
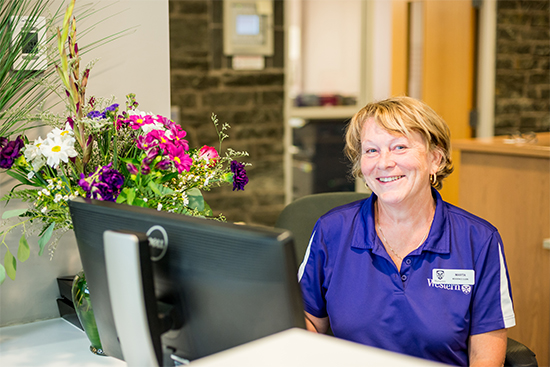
133, 301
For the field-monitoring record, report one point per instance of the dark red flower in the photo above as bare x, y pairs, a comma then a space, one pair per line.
240, 179
10, 151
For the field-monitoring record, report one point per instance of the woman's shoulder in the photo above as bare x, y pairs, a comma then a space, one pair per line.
459, 216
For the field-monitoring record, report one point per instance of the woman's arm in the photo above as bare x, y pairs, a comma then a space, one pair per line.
316, 324
488, 349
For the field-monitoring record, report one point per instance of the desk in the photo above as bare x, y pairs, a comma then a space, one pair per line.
50, 343
57, 343
300, 348
509, 185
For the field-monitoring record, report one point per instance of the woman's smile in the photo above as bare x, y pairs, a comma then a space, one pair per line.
389, 179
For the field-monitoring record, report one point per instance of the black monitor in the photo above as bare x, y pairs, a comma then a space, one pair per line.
224, 284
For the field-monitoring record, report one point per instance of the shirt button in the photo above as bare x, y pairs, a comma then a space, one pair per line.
408, 261
403, 277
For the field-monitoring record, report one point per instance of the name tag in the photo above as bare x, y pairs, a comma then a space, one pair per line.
453, 276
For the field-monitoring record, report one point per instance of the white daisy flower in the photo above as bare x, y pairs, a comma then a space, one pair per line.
63, 134
57, 149
32, 151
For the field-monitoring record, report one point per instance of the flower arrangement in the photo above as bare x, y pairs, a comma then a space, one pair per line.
96, 149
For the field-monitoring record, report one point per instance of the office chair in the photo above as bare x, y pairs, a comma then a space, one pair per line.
300, 216
518, 355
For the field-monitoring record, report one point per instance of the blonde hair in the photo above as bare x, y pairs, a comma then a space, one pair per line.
402, 115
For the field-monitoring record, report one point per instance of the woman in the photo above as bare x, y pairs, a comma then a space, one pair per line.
403, 270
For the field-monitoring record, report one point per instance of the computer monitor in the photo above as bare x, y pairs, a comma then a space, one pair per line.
226, 284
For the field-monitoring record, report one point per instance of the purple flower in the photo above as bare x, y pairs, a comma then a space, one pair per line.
95, 115
112, 107
104, 184
84, 183
71, 122
151, 155
10, 151
145, 169
239, 175
164, 164
132, 169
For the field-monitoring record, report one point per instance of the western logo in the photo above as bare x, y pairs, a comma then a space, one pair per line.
158, 242
440, 274
464, 288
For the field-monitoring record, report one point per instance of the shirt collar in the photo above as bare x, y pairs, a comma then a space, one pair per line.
437, 240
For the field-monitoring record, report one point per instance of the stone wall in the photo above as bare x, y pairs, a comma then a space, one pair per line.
522, 67
203, 82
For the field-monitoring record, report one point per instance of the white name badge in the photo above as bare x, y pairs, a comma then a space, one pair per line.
453, 276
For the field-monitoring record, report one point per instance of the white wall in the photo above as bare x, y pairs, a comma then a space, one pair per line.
331, 46
137, 63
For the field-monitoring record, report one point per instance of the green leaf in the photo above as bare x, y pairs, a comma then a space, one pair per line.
23, 252
207, 210
42, 241
2, 274
10, 264
121, 197
169, 177
140, 202
21, 178
130, 196
196, 201
153, 186
13, 213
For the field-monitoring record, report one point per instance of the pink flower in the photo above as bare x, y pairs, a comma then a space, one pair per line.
207, 153
146, 142
177, 134
165, 121
162, 139
137, 121
181, 159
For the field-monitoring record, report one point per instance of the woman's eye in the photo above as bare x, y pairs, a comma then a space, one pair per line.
400, 147
370, 151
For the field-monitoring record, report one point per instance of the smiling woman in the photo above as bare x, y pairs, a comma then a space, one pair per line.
388, 255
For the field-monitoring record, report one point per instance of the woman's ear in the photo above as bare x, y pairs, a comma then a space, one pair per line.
436, 159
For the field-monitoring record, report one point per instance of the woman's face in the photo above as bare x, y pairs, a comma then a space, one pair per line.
396, 168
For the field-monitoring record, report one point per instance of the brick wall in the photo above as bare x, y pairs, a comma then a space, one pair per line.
522, 67
202, 82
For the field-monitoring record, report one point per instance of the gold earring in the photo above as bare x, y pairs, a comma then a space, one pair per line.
433, 179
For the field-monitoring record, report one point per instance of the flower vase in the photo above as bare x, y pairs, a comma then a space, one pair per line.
85, 312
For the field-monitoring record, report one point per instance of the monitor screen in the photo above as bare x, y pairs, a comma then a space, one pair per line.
228, 284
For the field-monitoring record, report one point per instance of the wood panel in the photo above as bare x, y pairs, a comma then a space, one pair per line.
399, 47
448, 71
512, 191
447, 83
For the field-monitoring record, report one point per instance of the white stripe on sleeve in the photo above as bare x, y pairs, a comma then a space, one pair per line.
306, 257
505, 299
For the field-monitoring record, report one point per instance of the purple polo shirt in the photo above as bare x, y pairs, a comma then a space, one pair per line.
454, 285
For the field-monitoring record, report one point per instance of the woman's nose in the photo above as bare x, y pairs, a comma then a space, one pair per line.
385, 160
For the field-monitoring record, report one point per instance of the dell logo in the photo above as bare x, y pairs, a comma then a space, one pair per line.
158, 241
